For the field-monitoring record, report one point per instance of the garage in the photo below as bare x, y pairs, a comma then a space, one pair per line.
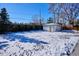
51, 27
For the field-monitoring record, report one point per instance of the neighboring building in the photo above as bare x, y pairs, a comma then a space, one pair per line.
65, 22
51, 27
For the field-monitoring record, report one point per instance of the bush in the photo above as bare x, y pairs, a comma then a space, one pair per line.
24, 27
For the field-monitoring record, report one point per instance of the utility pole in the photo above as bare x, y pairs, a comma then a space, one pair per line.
40, 17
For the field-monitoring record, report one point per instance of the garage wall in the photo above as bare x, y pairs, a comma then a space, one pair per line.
51, 28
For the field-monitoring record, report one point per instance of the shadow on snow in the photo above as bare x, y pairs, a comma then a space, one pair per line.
2, 44
21, 38
67, 31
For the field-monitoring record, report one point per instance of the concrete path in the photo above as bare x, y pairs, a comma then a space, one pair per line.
76, 51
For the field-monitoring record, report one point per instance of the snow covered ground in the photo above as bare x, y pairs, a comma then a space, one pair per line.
37, 43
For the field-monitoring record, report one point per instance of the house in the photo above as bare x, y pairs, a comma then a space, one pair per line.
65, 22
51, 27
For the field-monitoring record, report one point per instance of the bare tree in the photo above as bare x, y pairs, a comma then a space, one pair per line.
55, 9
65, 11
71, 12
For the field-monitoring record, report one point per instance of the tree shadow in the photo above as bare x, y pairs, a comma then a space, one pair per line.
2, 44
21, 38
67, 31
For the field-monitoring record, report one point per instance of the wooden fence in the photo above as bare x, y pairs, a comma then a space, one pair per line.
70, 27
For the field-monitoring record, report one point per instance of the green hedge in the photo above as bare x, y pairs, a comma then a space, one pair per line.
19, 27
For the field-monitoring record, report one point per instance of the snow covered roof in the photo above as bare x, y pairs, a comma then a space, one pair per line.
51, 24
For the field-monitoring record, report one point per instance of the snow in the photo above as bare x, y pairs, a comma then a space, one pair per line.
38, 43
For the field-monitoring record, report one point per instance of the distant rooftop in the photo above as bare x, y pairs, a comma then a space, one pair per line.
51, 24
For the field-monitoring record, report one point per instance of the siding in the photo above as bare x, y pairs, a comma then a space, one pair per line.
51, 28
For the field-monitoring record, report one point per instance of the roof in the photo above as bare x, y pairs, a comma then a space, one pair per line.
51, 24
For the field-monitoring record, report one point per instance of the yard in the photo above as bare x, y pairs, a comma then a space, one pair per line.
38, 43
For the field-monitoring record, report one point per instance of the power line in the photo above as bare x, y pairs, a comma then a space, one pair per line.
20, 18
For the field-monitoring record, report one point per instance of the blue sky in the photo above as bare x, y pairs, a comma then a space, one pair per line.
23, 12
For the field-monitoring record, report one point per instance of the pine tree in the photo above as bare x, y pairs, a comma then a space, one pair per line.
4, 20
